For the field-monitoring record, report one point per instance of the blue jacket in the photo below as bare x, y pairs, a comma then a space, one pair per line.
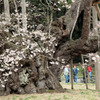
75, 71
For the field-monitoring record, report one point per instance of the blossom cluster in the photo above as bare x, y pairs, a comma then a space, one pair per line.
63, 4
24, 44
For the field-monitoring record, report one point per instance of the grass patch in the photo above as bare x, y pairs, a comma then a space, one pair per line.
69, 91
64, 97
86, 93
15, 97
8, 99
58, 99
31, 98
99, 94
34, 97
92, 90
79, 91
92, 99
20, 98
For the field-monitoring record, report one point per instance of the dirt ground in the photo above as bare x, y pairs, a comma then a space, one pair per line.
79, 93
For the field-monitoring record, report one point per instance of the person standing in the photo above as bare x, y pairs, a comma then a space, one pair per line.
66, 73
89, 71
75, 71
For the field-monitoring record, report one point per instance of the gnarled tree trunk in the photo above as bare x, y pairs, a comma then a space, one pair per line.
36, 75
82, 45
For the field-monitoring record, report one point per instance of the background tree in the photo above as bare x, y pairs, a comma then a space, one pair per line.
6, 10
24, 15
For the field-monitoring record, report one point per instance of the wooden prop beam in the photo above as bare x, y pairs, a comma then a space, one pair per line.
95, 4
98, 10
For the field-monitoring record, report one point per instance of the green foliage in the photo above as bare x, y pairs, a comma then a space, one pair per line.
87, 93
42, 10
28, 98
69, 1
36, 13
99, 94
77, 59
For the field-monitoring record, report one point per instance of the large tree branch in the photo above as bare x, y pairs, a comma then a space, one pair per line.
70, 49
98, 11
64, 25
86, 20
89, 47
78, 44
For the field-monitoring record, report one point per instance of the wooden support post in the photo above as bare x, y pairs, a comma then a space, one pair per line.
95, 4
97, 64
88, 78
97, 74
84, 71
98, 11
72, 87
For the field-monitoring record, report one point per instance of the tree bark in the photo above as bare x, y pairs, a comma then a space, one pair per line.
83, 45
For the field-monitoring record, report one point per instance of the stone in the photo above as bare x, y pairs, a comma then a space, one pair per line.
30, 88
2, 90
21, 90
